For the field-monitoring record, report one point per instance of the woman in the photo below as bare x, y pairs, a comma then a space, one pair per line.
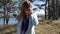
26, 19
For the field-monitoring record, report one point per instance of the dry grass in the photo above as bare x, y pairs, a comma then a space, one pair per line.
44, 27
48, 27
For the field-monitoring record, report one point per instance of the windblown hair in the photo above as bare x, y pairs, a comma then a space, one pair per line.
25, 6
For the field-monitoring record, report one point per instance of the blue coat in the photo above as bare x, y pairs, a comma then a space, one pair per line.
33, 21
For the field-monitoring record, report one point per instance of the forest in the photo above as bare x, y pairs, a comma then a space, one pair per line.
50, 23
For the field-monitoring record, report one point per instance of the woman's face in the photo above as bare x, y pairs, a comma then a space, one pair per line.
27, 12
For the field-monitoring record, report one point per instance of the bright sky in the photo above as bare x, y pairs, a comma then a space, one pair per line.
39, 11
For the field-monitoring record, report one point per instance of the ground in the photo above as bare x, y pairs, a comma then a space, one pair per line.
44, 27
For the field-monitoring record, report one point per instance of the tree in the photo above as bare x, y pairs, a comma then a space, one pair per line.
4, 3
46, 9
53, 9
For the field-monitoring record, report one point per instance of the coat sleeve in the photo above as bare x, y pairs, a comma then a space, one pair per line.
35, 20
18, 29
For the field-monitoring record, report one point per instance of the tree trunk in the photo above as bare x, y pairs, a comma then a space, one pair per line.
4, 16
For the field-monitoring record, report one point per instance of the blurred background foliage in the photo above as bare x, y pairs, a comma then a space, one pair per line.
51, 9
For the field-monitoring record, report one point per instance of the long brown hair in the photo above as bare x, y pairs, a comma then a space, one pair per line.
26, 5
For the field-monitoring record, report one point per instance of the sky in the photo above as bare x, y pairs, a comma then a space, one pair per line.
36, 2
39, 11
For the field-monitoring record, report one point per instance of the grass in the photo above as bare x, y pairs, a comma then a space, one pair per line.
44, 27
48, 27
